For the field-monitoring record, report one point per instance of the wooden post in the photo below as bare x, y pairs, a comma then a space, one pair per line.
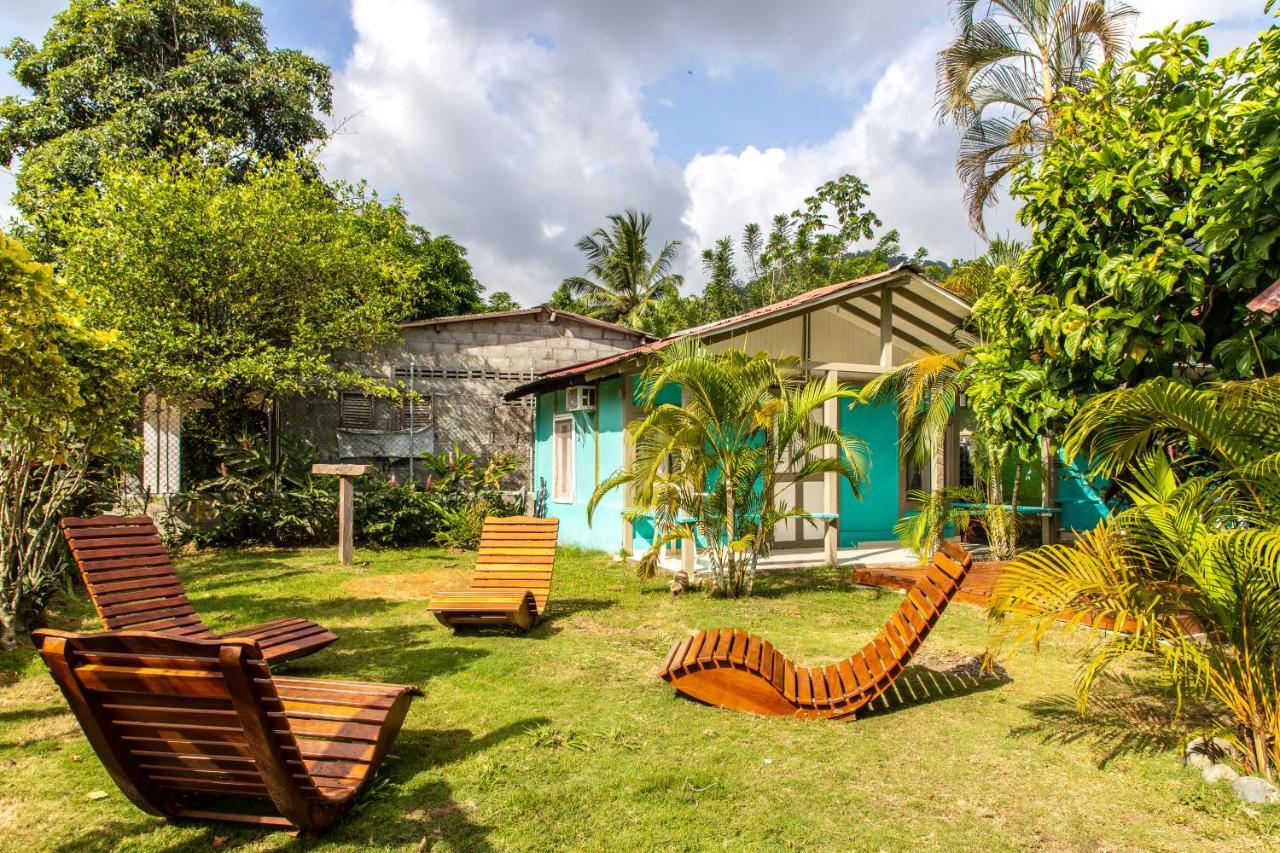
346, 495
831, 481
1048, 492
628, 459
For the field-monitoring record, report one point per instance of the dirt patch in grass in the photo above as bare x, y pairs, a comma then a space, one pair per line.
410, 586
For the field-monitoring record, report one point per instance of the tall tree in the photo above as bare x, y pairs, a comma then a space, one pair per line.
229, 288
624, 281
120, 76
1000, 77
63, 403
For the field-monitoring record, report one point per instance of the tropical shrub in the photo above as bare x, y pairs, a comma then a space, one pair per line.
1193, 564
923, 530
257, 501
392, 514
717, 458
64, 405
464, 493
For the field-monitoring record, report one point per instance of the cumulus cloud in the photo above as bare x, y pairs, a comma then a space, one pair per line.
893, 143
517, 127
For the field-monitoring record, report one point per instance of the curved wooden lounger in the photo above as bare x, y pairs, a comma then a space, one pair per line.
513, 576
176, 719
133, 586
734, 669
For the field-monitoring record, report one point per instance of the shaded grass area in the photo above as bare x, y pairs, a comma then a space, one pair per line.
565, 738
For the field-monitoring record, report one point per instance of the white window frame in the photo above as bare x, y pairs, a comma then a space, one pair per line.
556, 496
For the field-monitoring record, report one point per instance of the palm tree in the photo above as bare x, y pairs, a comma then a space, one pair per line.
1193, 565
624, 282
713, 464
999, 78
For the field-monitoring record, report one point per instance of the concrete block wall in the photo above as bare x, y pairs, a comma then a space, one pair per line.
496, 353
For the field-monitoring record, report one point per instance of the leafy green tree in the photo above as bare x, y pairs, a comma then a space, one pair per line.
1000, 78
624, 280
1191, 568
434, 269
117, 77
234, 288
500, 300
1153, 224
718, 458
64, 402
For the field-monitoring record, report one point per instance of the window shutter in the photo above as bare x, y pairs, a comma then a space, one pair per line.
355, 411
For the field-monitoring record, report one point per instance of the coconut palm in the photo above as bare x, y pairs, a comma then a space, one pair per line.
713, 464
1192, 566
624, 282
999, 78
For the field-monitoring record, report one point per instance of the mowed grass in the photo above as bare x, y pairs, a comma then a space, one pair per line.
565, 738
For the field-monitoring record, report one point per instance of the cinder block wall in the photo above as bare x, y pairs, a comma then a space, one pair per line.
496, 354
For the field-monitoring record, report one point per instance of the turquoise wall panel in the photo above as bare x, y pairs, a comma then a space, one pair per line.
1080, 496
597, 440
871, 518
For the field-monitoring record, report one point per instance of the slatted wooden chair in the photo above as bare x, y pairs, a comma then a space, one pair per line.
513, 576
176, 719
133, 587
734, 669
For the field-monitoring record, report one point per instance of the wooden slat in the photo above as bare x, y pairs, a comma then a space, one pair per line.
170, 715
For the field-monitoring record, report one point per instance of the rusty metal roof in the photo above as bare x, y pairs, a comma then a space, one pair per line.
1268, 300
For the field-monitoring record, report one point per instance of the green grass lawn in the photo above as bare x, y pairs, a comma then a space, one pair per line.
564, 738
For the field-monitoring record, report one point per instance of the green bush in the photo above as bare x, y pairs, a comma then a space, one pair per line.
255, 501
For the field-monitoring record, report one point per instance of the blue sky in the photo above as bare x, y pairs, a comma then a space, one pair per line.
516, 126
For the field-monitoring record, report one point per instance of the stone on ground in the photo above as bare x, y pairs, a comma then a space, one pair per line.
1255, 789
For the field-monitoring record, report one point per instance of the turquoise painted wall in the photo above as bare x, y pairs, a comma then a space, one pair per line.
871, 518
597, 440
598, 447
1079, 495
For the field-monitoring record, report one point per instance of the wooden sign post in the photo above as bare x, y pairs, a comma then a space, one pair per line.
346, 492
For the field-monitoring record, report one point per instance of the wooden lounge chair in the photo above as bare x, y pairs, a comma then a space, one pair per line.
175, 719
133, 586
734, 669
513, 576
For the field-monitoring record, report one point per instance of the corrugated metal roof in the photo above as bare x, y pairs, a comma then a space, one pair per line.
1268, 300
551, 376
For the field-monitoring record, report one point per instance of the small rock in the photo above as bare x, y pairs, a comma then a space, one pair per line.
97, 795
1219, 773
1202, 753
1255, 789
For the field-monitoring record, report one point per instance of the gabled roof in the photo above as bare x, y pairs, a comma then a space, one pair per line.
551, 313
800, 303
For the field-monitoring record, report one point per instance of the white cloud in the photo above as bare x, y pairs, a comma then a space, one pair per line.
516, 127
893, 143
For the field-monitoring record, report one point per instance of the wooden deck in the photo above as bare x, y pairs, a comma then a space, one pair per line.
976, 588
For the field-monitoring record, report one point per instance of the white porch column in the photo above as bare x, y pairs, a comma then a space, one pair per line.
831, 481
